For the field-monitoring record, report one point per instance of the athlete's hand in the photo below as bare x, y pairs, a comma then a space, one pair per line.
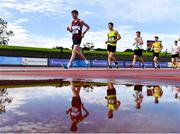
82, 35
68, 28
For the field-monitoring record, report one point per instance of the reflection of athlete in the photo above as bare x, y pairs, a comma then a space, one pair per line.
112, 102
4, 98
176, 90
175, 54
138, 49
113, 37
156, 47
77, 35
77, 106
157, 93
138, 95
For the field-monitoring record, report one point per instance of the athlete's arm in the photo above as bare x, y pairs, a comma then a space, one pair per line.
141, 41
152, 47
179, 49
86, 25
135, 42
118, 103
86, 113
118, 36
69, 28
69, 110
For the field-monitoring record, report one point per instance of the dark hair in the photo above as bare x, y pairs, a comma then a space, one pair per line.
138, 32
74, 11
176, 41
110, 23
156, 37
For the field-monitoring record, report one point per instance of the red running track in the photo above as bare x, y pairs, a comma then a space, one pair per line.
93, 73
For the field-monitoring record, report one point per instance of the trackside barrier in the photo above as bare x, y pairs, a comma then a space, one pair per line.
128, 63
59, 62
34, 61
10, 60
163, 64
104, 63
4, 60
147, 64
99, 63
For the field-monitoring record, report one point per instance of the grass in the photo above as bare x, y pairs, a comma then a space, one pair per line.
54, 84
28, 48
69, 51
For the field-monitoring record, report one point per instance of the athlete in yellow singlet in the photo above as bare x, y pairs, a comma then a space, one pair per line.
156, 47
112, 102
113, 37
157, 93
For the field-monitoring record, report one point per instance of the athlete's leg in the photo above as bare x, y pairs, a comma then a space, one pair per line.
73, 55
142, 60
176, 62
173, 61
155, 60
134, 59
79, 52
109, 59
75, 90
113, 58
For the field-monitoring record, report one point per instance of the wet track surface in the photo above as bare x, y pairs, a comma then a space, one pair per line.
92, 105
162, 76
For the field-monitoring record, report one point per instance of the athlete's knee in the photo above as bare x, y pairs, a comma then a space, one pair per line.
155, 58
74, 51
110, 57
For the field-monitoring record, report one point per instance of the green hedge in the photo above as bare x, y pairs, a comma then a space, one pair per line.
34, 49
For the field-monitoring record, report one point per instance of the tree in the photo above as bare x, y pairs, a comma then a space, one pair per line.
4, 33
128, 50
88, 46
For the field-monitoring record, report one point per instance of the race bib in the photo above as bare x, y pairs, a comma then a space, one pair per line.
112, 38
76, 29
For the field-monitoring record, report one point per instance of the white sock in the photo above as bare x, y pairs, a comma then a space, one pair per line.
69, 64
155, 64
86, 61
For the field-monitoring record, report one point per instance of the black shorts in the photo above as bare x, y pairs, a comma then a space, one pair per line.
175, 55
111, 91
76, 102
138, 52
111, 48
138, 87
76, 41
155, 54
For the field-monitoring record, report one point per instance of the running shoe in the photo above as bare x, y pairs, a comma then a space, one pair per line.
132, 66
64, 66
158, 67
116, 65
87, 65
143, 66
109, 66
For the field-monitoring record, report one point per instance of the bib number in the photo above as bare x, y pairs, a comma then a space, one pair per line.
76, 29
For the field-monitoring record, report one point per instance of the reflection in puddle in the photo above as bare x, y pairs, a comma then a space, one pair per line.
4, 99
80, 106
112, 102
77, 107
